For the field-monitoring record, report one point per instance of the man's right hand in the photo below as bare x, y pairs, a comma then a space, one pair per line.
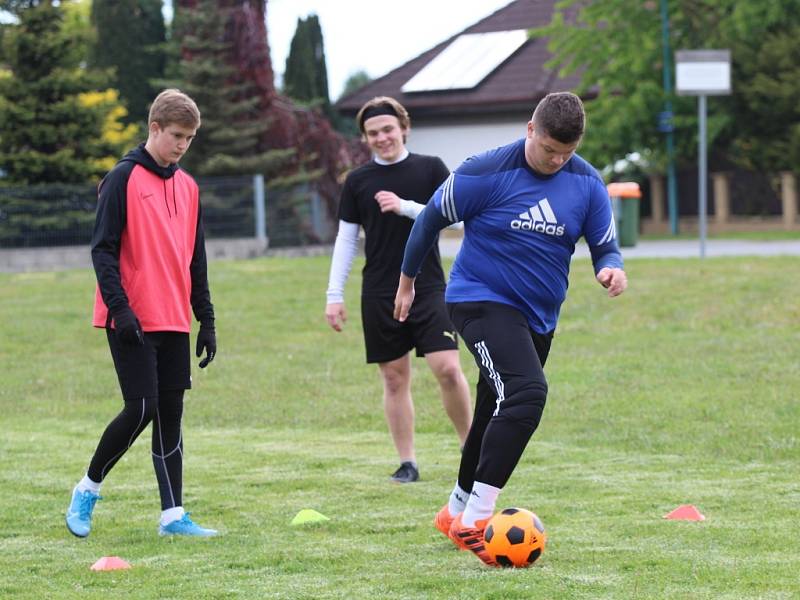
127, 327
404, 297
336, 315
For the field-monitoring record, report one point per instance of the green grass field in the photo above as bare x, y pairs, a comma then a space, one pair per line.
683, 390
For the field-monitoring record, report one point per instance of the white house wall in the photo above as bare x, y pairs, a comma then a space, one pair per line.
455, 142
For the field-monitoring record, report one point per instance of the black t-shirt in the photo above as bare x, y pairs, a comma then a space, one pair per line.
414, 178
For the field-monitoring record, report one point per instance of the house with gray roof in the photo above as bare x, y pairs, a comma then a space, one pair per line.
475, 90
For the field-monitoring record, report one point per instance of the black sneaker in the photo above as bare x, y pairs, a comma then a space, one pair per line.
407, 473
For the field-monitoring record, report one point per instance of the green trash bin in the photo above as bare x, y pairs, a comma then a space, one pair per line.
625, 198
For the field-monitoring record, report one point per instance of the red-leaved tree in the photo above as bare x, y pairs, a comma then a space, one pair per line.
320, 152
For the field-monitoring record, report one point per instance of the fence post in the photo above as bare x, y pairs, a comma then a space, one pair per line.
789, 199
316, 214
260, 208
657, 198
722, 197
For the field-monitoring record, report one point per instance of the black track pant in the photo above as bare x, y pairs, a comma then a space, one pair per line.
511, 391
167, 442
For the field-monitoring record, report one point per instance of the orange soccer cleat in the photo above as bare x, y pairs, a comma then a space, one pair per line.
443, 520
471, 538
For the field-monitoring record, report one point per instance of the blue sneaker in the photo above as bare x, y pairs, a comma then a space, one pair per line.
79, 513
185, 526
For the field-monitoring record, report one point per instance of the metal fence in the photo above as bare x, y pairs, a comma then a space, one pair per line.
51, 215
233, 207
752, 194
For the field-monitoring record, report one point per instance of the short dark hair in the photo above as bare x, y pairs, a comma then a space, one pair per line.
560, 115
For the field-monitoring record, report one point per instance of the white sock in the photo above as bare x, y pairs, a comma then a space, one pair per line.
87, 484
458, 500
171, 514
480, 504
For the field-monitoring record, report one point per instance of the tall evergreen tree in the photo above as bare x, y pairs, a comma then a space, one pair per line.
306, 75
232, 125
312, 150
318, 55
49, 131
298, 81
131, 40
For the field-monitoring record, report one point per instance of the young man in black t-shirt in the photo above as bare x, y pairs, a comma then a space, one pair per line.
384, 196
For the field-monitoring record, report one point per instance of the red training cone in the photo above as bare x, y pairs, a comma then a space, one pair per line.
110, 563
686, 512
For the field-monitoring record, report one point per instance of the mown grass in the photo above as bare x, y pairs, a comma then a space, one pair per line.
683, 390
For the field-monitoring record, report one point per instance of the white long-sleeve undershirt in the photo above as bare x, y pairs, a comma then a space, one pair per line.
411, 209
346, 247
344, 251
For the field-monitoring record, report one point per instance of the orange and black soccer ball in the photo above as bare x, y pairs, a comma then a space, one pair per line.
514, 537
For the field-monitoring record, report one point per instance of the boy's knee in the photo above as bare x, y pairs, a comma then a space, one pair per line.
141, 408
394, 382
449, 375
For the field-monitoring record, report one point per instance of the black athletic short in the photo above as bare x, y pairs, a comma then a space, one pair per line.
161, 364
428, 328
507, 351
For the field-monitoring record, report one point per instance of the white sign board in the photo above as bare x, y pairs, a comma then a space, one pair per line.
703, 72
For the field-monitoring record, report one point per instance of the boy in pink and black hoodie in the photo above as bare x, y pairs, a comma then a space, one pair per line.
148, 251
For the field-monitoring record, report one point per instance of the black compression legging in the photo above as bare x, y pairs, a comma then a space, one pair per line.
511, 392
167, 442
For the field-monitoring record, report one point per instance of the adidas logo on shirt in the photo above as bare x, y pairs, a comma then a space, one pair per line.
540, 218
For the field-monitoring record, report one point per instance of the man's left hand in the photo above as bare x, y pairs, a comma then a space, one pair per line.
206, 340
613, 279
388, 201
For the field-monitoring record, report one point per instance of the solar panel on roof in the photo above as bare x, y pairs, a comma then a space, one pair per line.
466, 61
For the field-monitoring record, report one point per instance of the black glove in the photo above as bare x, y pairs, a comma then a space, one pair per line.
128, 328
206, 340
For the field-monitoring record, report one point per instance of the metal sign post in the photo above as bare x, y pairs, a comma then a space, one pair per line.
702, 73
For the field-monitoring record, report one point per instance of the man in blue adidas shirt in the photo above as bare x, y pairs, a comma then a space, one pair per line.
524, 206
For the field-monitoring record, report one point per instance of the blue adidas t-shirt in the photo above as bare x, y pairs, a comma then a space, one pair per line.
520, 230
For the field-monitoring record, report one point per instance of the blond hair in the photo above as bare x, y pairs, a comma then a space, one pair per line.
173, 107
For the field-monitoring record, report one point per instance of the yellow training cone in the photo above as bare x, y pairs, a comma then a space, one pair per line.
308, 515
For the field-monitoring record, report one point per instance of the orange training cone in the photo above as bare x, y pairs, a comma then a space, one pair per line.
110, 563
686, 512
